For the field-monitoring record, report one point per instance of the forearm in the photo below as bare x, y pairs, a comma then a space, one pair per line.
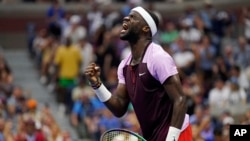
116, 106
115, 103
179, 111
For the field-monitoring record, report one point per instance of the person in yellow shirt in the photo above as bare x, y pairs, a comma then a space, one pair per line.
68, 63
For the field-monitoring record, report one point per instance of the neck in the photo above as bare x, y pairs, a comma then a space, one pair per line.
138, 48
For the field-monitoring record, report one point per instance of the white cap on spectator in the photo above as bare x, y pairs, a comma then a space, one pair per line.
228, 120
75, 19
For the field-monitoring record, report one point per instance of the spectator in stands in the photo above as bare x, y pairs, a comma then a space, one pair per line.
87, 52
2, 125
188, 32
75, 31
206, 53
95, 19
6, 79
48, 51
220, 68
169, 33
242, 53
68, 62
237, 95
246, 14
208, 13
240, 75
108, 121
54, 14
39, 43
82, 110
217, 95
184, 57
106, 55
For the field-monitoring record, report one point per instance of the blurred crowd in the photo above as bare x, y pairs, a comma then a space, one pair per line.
211, 48
23, 118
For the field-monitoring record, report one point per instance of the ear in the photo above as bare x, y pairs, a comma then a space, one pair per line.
146, 29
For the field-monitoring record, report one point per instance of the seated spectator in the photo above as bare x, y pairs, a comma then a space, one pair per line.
188, 32
217, 95
184, 59
108, 121
6, 79
82, 109
236, 95
2, 125
170, 33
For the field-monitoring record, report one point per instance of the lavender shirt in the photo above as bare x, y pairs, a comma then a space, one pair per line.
144, 85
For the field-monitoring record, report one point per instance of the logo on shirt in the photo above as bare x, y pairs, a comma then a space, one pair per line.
141, 74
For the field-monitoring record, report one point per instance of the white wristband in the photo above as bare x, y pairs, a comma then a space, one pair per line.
173, 134
103, 93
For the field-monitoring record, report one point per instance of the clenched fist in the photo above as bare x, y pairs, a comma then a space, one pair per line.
92, 73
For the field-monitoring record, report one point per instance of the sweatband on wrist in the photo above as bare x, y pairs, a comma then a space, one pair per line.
148, 18
103, 93
173, 134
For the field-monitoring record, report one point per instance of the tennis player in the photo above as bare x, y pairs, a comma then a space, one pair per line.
149, 79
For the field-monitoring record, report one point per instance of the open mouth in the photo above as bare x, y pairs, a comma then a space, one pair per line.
124, 27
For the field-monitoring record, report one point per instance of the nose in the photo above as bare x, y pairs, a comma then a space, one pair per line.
126, 18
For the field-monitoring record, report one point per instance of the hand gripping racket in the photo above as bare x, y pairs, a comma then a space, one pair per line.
121, 135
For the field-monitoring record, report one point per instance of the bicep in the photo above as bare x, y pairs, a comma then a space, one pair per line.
121, 94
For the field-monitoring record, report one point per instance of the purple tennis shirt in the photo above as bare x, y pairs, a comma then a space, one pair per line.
144, 81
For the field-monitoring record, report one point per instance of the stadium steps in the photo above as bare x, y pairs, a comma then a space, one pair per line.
26, 76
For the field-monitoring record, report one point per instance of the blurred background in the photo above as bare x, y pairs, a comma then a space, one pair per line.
46, 44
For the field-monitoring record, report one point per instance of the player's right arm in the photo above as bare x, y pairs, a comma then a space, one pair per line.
117, 102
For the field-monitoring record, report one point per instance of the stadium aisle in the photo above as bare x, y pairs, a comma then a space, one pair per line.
26, 76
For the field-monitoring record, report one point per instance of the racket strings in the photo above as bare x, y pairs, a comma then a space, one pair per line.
119, 136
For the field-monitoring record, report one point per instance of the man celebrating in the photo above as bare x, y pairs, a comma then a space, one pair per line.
148, 78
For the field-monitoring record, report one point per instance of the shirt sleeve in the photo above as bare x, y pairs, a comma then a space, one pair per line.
121, 78
163, 66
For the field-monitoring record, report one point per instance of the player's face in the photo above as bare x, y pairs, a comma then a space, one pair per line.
131, 26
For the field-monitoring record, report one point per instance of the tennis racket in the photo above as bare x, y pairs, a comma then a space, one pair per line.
121, 135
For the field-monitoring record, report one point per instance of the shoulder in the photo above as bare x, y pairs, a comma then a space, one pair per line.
155, 53
125, 61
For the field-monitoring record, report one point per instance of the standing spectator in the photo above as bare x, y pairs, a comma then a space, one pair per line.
75, 31
39, 43
54, 14
68, 62
87, 52
48, 51
95, 19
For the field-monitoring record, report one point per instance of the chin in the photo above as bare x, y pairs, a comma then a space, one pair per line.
124, 36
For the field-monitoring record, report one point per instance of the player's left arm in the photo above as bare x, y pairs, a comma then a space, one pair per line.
174, 90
